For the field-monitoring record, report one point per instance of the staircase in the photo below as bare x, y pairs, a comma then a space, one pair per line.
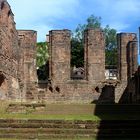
60, 129
110, 127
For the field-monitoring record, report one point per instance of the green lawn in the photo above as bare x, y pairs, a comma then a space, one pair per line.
66, 114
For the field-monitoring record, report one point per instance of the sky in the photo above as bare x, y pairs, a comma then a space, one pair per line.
45, 15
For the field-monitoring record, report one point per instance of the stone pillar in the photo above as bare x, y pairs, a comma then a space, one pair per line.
126, 55
28, 45
94, 55
59, 60
27, 62
9, 55
132, 54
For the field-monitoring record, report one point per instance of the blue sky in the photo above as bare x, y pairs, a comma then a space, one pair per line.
45, 15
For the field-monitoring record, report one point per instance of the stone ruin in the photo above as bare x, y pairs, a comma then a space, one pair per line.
17, 57
18, 79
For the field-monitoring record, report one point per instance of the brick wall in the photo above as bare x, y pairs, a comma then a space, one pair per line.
9, 52
27, 63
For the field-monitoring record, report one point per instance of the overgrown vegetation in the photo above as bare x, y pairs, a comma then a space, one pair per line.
77, 51
42, 53
42, 60
77, 47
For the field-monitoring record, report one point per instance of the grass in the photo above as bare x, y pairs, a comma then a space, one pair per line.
66, 116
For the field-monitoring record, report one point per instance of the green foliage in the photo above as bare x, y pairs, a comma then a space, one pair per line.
111, 46
42, 53
42, 60
91, 22
77, 50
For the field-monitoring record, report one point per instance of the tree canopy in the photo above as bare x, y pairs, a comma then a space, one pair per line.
42, 53
77, 50
42, 60
77, 46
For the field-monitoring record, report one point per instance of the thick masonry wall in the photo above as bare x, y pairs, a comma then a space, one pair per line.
18, 79
127, 63
8, 53
64, 89
27, 64
94, 55
125, 57
59, 55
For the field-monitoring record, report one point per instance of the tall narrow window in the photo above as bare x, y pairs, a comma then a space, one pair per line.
77, 59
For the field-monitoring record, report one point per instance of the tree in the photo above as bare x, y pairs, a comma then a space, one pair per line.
42, 60
111, 46
42, 53
77, 53
92, 22
77, 50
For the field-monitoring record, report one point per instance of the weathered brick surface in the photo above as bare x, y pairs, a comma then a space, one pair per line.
18, 65
8, 53
17, 57
127, 63
125, 43
132, 54
27, 63
94, 55
64, 89
59, 55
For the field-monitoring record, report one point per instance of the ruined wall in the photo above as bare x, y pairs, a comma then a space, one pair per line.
18, 66
132, 53
127, 62
94, 55
63, 89
60, 56
27, 63
8, 53
126, 42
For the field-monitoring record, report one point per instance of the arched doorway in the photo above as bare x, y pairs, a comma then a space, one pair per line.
3, 87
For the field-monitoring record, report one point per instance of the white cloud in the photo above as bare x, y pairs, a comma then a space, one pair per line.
27, 10
30, 14
47, 14
120, 26
119, 14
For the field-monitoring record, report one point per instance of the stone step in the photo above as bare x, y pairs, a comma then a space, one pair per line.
69, 131
80, 126
48, 129
62, 136
68, 124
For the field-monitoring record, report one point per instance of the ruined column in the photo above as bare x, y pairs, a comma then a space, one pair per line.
59, 61
132, 54
9, 55
127, 55
94, 55
27, 62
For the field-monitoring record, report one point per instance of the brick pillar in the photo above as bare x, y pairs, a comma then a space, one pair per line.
27, 63
132, 54
125, 55
59, 61
94, 55
28, 46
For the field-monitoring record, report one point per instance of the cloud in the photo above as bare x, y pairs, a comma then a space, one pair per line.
119, 13
45, 15
29, 10
42, 15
